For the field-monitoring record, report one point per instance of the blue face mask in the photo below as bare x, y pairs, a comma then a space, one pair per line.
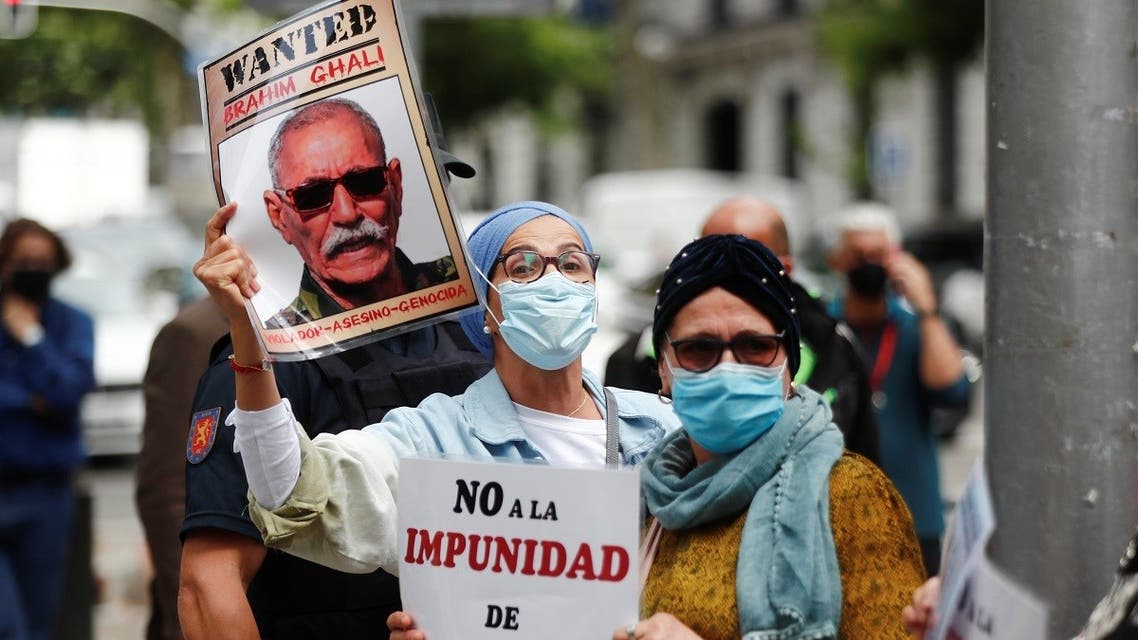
730, 406
548, 322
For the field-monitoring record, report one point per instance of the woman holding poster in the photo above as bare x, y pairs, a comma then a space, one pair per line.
760, 525
332, 500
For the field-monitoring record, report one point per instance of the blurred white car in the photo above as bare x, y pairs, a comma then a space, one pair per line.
638, 220
130, 275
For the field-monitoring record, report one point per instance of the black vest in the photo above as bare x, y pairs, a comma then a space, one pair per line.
369, 380
294, 598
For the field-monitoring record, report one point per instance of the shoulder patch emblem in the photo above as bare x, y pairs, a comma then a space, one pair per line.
203, 431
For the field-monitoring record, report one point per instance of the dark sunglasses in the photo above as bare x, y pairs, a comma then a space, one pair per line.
314, 196
702, 354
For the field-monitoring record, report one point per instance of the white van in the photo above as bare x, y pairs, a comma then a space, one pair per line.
638, 220
130, 275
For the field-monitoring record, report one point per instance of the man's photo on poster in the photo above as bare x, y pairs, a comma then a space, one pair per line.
334, 206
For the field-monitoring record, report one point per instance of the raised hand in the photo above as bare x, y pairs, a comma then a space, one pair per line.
912, 280
20, 315
227, 272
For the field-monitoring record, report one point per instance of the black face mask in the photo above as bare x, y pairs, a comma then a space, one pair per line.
32, 284
867, 280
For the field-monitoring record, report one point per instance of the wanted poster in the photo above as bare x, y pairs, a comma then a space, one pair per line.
317, 130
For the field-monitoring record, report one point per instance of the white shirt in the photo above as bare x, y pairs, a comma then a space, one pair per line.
564, 440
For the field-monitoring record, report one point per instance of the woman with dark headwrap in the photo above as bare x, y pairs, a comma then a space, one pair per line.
760, 527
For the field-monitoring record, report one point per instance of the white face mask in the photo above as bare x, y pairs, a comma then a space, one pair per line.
547, 322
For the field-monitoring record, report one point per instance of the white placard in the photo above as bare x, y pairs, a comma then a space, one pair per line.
970, 527
493, 550
992, 607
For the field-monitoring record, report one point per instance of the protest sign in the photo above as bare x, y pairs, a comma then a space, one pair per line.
992, 607
316, 130
970, 527
492, 550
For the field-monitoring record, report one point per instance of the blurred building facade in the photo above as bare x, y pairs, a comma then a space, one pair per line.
743, 86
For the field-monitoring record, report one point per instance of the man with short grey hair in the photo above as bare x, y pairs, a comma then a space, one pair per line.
914, 361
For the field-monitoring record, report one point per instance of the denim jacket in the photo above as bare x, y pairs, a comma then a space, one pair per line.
483, 422
342, 511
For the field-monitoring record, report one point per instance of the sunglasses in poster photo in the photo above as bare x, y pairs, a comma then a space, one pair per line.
312, 197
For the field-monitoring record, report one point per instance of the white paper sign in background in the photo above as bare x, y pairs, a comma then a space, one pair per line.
505, 551
993, 607
977, 601
969, 529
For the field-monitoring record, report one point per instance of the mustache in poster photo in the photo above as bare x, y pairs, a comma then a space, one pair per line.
365, 231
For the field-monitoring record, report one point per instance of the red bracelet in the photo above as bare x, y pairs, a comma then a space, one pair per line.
265, 365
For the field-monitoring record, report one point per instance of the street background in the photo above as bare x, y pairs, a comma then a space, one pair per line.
1004, 136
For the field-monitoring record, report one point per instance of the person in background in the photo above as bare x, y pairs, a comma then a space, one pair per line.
760, 525
178, 357
914, 361
46, 367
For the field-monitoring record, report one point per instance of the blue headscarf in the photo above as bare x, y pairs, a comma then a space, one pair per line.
485, 245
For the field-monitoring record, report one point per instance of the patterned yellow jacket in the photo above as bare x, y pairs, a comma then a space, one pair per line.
692, 576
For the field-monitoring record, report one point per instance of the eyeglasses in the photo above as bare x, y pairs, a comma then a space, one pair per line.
314, 196
702, 354
524, 266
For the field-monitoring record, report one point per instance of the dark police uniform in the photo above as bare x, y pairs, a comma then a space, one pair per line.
290, 597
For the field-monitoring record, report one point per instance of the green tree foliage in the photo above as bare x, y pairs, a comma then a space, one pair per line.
475, 66
868, 39
80, 62
83, 62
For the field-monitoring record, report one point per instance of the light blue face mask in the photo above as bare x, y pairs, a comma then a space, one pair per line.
730, 406
548, 322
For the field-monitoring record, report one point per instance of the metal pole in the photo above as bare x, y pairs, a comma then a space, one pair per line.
1061, 259
163, 14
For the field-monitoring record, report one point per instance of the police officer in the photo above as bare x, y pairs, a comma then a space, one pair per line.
231, 585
